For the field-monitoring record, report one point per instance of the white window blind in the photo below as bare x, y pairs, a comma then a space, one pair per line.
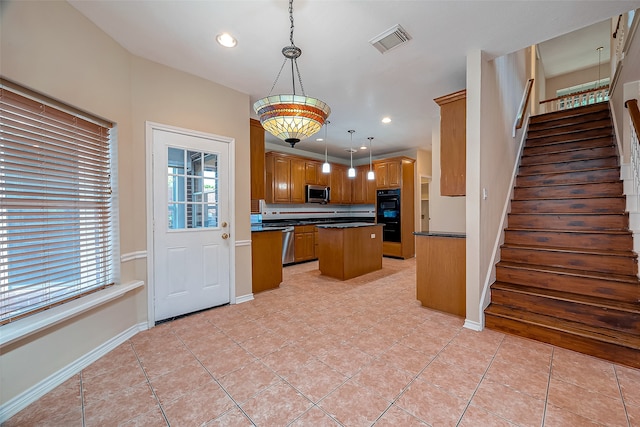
55, 205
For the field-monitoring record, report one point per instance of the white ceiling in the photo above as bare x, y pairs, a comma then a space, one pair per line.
338, 65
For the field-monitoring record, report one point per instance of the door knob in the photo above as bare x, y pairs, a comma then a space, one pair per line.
224, 224
225, 236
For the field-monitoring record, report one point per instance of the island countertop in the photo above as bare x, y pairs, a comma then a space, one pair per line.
440, 234
348, 225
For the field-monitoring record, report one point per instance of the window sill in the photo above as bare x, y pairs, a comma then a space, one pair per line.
22, 328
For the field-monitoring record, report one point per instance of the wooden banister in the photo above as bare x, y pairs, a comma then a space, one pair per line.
634, 112
524, 105
574, 94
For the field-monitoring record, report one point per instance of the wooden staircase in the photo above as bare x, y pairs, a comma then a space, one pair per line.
568, 273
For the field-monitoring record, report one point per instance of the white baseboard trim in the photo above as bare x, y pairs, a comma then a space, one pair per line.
244, 298
24, 399
474, 326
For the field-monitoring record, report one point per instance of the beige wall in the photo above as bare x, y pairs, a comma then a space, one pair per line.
494, 92
579, 77
51, 48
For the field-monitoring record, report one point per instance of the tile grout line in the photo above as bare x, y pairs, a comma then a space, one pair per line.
546, 397
624, 403
84, 422
164, 415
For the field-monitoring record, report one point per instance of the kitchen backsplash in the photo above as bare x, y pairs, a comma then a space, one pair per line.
312, 210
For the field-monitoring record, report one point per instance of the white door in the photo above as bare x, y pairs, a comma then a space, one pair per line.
191, 244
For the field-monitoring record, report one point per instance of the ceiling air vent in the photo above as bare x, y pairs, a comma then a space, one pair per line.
391, 38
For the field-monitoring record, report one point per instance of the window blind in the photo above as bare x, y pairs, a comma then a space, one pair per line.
55, 206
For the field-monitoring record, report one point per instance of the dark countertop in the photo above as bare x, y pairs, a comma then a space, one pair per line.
259, 228
347, 225
440, 234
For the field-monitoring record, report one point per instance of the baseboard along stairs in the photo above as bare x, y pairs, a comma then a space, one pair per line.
568, 273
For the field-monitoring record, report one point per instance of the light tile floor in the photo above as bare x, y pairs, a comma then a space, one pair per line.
320, 352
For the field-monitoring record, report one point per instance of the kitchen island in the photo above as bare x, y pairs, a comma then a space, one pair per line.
349, 250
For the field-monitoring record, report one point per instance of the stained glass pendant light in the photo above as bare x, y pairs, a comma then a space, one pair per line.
291, 117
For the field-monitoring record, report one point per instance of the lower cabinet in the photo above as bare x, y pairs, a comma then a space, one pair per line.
305, 245
266, 260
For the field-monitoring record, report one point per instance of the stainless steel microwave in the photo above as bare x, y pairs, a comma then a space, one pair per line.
318, 194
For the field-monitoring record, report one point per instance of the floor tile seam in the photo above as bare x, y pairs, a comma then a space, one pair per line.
82, 409
153, 392
319, 408
493, 358
624, 403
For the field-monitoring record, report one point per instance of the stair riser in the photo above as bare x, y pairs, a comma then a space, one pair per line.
563, 114
594, 143
618, 291
568, 121
544, 140
603, 317
605, 189
572, 166
568, 177
613, 242
615, 353
582, 262
570, 156
599, 205
569, 222
580, 126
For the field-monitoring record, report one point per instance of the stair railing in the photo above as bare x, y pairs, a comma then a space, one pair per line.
576, 99
634, 113
524, 104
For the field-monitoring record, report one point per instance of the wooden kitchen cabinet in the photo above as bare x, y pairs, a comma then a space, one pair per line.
285, 177
388, 173
453, 145
340, 185
313, 173
266, 260
305, 245
364, 190
257, 160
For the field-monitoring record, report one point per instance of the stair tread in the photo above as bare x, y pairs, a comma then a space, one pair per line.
568, 171
564, 184
568, 150
543, 230
632, 308
612, 277
580, 329
567, 133
591, 251
586, 138
571, 213
571, 161
569, 112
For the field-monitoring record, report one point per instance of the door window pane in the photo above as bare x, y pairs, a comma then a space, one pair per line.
192, 189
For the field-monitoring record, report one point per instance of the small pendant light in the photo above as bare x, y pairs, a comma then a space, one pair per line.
326, 167
370, 175
351, 173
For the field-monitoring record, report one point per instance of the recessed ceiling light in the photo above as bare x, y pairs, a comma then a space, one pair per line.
226, 40
386, 120
319, 139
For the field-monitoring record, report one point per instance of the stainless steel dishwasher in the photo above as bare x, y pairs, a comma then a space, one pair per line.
288, 250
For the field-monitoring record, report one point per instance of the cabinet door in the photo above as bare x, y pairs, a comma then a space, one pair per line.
359, 194
453, 151
310, 173
380, 169
281, 179
297, 180
370, 197
309, 245
347, 184
394, 174
323, 178
338, 174
299, 246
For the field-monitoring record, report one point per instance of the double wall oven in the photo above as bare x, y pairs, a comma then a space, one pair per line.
388, 213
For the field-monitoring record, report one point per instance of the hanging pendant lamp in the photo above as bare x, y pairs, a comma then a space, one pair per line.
326, 167
370, 175
291, 117
351, 173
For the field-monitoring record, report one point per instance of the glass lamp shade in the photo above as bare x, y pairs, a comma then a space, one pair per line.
371, 176
326, 168
291, 118
351, 173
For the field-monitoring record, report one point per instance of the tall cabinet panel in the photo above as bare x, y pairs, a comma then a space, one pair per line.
256, 144
453, 145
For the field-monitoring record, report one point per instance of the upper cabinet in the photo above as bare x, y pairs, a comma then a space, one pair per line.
256, 144
285, 178
453, 145
364, 190
388, 173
